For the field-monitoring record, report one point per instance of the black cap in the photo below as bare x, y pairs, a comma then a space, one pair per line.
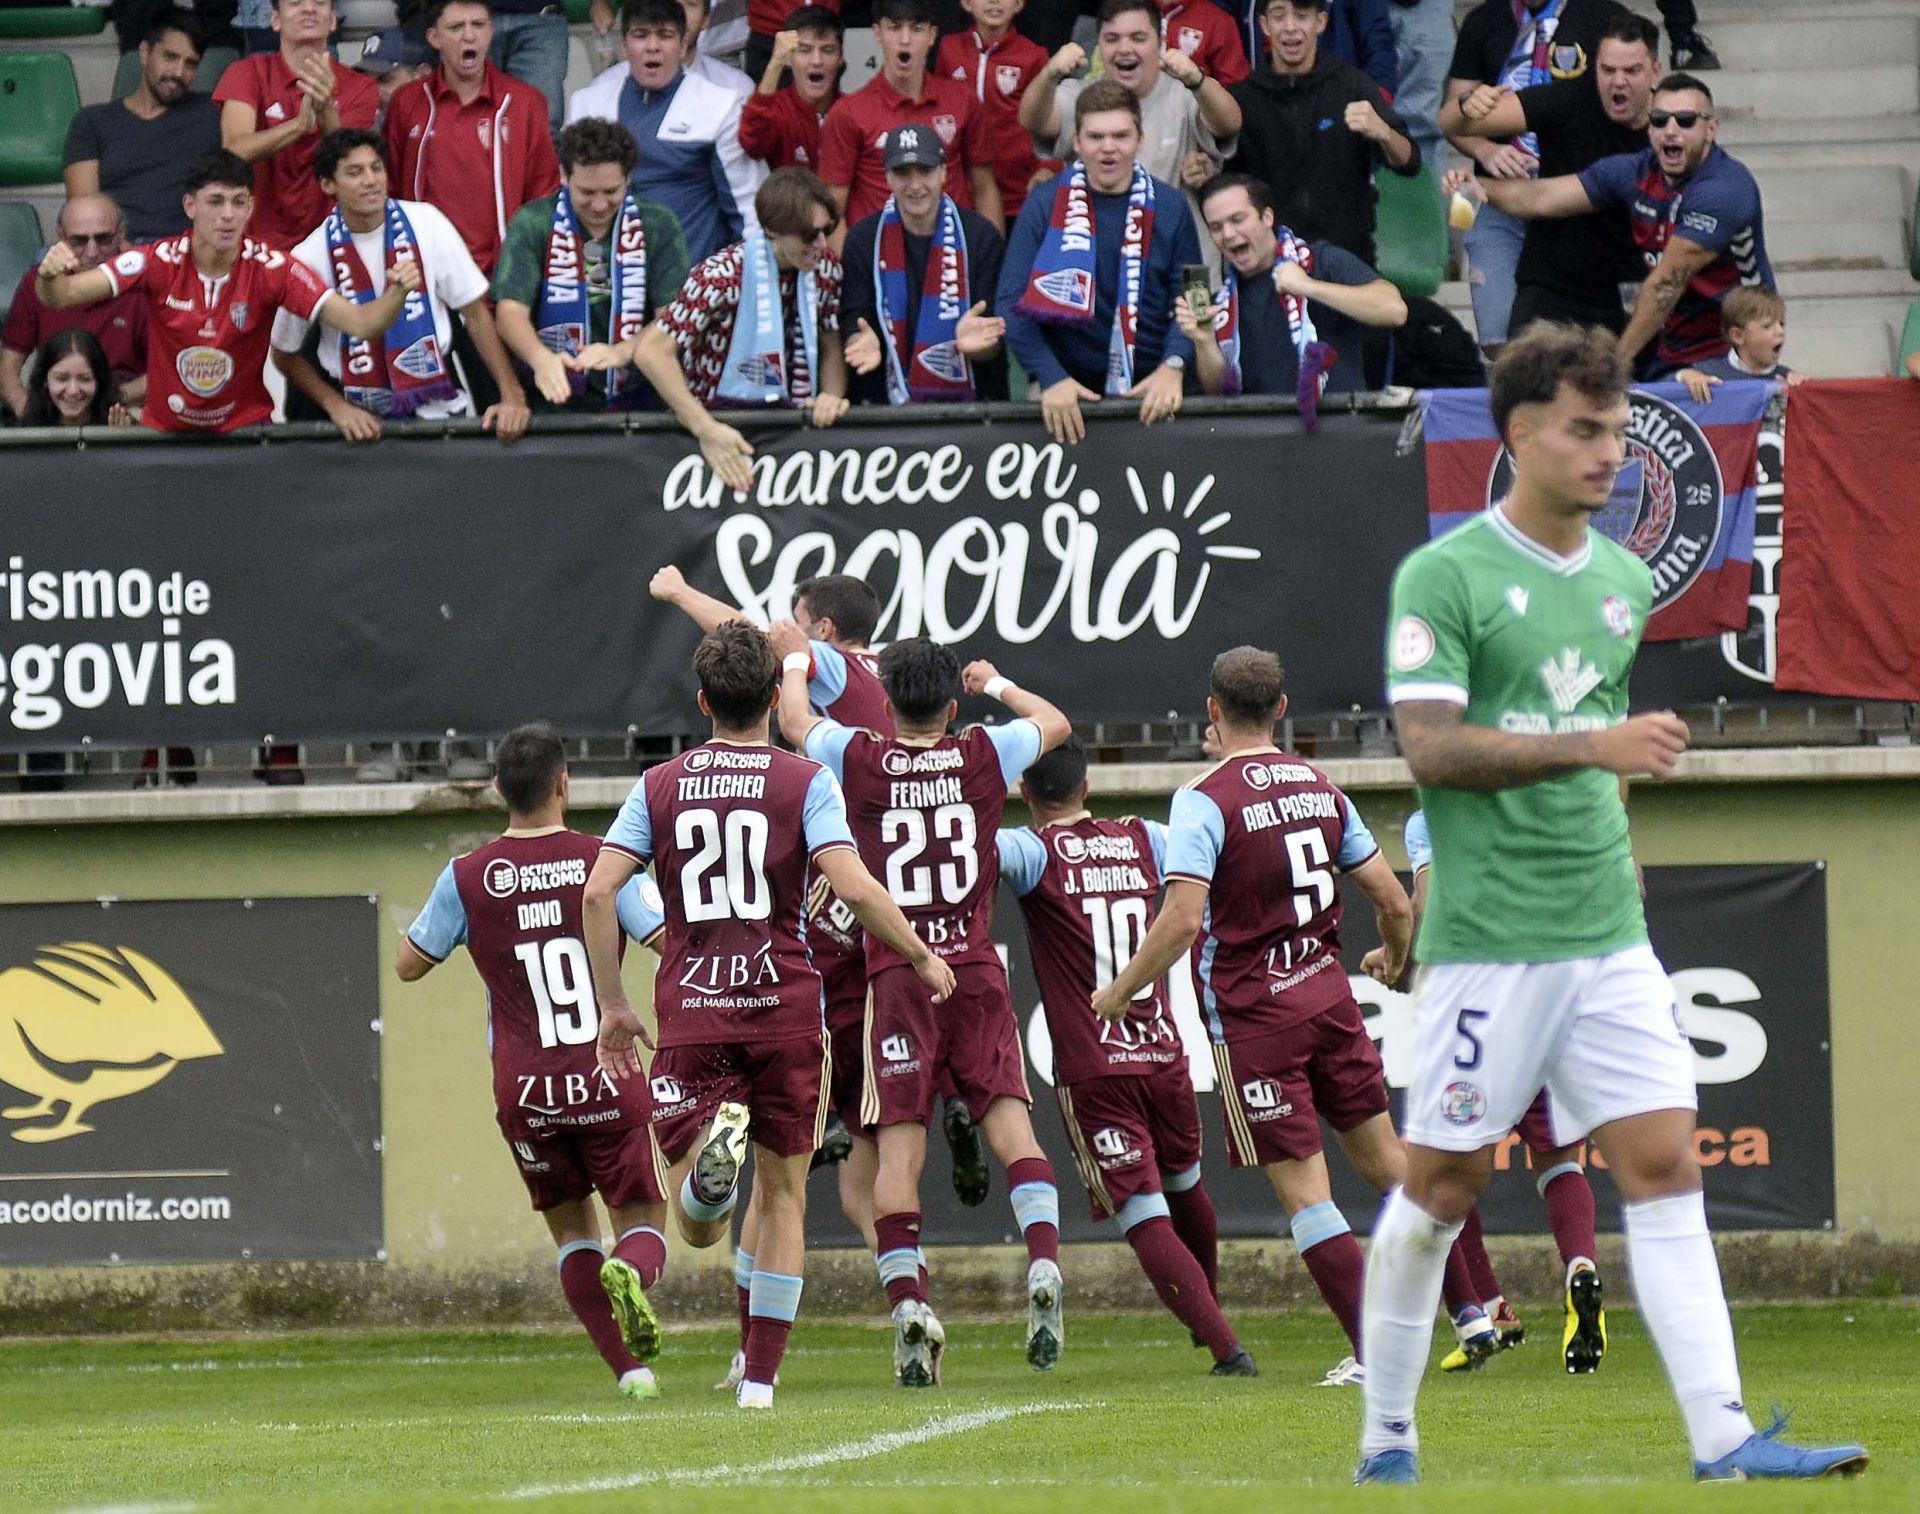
913, 147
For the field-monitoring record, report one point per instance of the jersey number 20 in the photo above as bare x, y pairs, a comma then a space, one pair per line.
726, 877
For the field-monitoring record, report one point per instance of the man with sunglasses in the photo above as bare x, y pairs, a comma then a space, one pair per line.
92, 226
1695, 216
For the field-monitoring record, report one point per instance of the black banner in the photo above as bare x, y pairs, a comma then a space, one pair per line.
1746, 948
186, 592
189, 1081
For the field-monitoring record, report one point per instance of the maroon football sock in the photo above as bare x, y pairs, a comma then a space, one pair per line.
1182, 1286
1199, 1228
580, 1281
1339, 1272
1041, 1235
766, 1344
646, 1250
1472, 1246
1457, 1289
902, 1276
1570, 1212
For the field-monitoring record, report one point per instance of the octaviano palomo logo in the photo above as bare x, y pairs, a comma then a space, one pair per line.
81, 1025
1569, 679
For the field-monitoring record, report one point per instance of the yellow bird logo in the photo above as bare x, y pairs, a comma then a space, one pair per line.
83, 1024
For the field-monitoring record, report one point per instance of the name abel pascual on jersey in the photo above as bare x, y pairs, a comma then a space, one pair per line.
40, 682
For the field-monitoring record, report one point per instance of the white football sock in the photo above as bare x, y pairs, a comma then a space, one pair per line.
1676, 1279
1406, 1264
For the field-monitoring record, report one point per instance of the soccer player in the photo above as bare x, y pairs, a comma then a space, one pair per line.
211, 298
924, 805
738, 828
1510, 645
1562, 1184
1087, 887
515, 904
1252, 848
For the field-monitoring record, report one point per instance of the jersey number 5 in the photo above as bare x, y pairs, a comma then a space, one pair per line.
736, 889
905, 831
1310, 865
562, 989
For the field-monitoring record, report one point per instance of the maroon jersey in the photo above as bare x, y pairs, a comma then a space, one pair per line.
1087, 888
521, 901
1266, 832
732, 831
924, 818
834, 939
845, 686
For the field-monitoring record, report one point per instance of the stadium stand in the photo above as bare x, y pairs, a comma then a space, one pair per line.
52, 20
38, 97
1410, 232
20, 244
213, 63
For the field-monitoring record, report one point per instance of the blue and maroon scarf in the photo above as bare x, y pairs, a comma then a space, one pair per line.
1061, 287
926, 364
564, 316
397, 373
1314, 357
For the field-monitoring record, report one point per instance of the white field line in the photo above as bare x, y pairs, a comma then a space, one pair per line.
940, 1427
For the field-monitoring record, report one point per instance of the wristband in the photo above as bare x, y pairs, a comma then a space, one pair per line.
997, 686
796, 662
1199, 80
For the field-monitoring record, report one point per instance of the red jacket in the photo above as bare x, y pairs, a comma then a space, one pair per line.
478, 163
998, 75
782, 130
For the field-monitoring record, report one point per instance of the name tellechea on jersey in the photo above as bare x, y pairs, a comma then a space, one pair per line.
1534, 644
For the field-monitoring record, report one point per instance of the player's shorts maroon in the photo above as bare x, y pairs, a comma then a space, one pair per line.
1275, 1089
847, 1024
912, 1043
782, 1083
1128, 1131
1536, 1125
560, 1166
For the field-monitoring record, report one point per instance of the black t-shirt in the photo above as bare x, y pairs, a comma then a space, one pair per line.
143, 164
986, 250
1487, 36
1584, 258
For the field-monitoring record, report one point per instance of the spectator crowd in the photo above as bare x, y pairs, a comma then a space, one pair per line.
1189, 208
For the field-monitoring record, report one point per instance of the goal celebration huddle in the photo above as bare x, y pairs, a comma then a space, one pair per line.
827, 988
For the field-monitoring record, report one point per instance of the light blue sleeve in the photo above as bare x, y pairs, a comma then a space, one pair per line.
827, 745
1196, 830
442, 925
1023, 858
824, 815
1356, 841
829, 679
1018, 743
1419, 843
1157, 839
641, 909
632, 830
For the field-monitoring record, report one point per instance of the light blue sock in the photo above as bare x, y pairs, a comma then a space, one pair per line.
696, 1210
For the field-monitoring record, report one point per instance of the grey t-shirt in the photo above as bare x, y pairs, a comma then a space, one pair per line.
143, 164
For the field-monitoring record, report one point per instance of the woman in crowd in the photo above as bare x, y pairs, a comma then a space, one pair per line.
72, 384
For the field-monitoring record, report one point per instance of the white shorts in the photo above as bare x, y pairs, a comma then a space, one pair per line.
1601, 1033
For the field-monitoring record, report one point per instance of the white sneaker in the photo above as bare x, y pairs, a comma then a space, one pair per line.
716, 1170
914, 1358
1349, 1374
1046, 1330
754, 1396
736, 1373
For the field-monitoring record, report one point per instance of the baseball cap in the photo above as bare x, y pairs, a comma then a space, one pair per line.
912, 147
396, 47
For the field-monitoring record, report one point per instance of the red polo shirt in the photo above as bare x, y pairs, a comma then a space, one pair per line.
850, 141
1206, 34
998, 73
478, 162
287, 202
782, 130
118, 324
768, 17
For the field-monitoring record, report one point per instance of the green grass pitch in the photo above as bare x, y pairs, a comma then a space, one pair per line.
526, 1420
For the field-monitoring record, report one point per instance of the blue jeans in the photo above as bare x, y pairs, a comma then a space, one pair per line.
534, 50
1423, 42
1493, 255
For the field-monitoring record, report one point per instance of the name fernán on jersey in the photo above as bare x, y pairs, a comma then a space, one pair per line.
924, 793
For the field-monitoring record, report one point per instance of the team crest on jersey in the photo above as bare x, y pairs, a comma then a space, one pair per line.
1007, 76
948, 127
1462, 1103
1567, 60
1618, 615
1189, 40
204, 370
1071, 848
501, 879
698, 760
240, 315
1668, 500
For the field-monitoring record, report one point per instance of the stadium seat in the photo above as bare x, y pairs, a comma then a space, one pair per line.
1910, 338
52, 20
20, 244
213, 63
38, 97
579, 12
1410, 237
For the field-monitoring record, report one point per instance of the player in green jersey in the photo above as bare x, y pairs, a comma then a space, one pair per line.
1509, 648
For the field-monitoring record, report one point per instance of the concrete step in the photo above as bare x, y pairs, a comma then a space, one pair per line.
1813, 41
1797, 285
1839, 242
1868, 88
1815, 194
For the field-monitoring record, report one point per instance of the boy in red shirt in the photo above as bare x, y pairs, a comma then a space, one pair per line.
781, 127
1206, 34
212, 294
997, 64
